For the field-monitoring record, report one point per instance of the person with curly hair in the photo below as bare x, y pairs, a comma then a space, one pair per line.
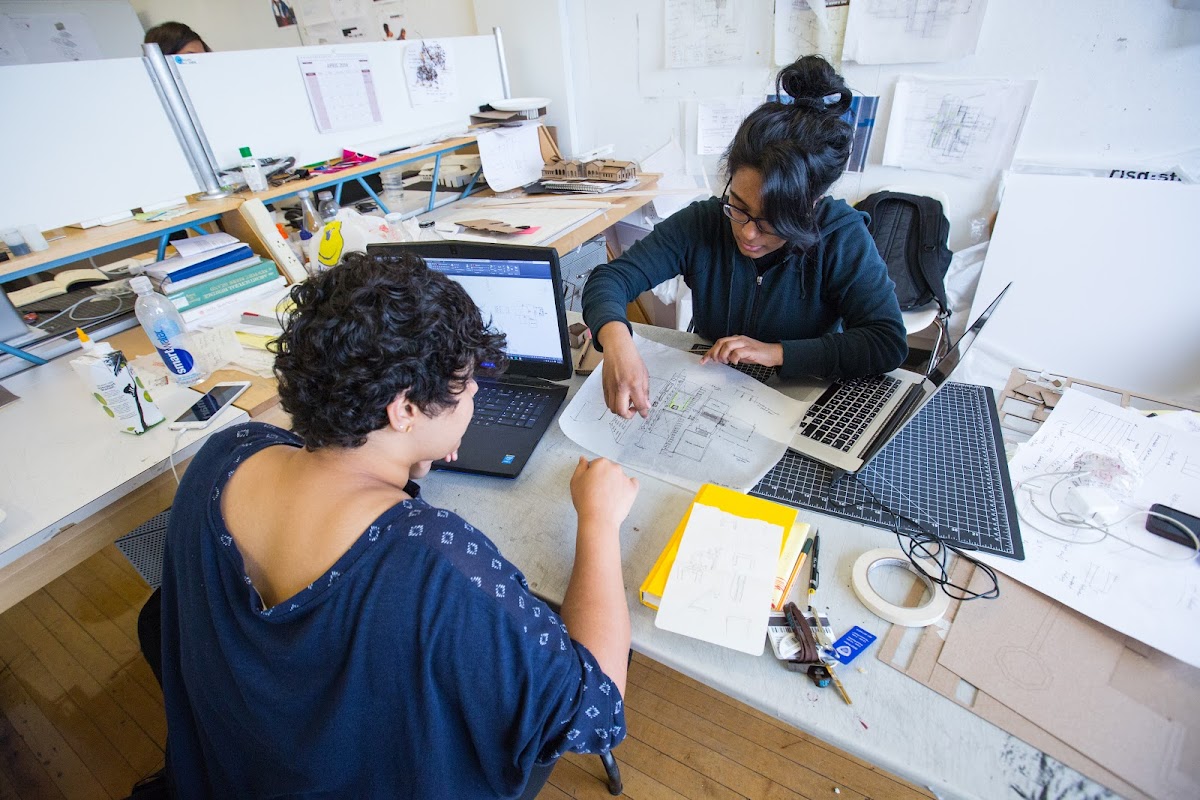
328, 633
781, 275
175, 38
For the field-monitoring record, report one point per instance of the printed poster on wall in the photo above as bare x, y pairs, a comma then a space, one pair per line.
703, 33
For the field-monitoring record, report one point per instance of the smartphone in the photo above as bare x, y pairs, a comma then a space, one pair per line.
203, 410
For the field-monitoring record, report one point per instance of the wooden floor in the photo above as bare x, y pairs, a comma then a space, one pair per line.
81, 715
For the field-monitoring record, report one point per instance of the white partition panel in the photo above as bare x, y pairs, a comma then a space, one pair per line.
257, 99
83, 140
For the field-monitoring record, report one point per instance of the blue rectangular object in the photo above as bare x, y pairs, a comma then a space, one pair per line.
854, 642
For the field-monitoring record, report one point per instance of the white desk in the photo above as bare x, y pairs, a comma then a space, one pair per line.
63, 461
895, 722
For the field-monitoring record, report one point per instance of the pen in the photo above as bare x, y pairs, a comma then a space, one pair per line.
814, 577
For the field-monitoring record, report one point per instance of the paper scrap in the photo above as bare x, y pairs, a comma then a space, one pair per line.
808, 27
430, 73
717, 120
511, 157
719, 589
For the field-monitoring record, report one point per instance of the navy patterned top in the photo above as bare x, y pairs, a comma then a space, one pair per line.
419, 665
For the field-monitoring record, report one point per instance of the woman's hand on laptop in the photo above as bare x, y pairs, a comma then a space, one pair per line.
744, 350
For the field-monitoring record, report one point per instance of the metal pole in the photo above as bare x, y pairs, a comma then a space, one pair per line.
503, 63
191, 137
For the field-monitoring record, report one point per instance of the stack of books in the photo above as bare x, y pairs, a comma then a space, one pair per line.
214, 277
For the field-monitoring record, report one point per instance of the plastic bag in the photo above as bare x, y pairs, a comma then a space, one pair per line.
348, 232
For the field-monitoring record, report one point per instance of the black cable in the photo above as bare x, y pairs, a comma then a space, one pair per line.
919, 542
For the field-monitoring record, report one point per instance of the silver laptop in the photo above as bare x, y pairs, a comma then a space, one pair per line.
852, 420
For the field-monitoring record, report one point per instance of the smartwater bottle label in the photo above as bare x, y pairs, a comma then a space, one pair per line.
178, 361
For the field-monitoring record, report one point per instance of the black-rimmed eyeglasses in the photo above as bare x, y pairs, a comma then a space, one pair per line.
741, 218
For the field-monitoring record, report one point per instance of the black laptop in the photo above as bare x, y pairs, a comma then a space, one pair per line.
520, 290
854, 419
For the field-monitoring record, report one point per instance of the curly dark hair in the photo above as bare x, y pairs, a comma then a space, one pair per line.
368, 329
171, 37
800, 147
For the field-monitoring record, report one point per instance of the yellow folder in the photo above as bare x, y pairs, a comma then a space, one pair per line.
742, 505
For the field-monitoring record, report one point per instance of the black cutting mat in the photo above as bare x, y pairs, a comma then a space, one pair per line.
946, 470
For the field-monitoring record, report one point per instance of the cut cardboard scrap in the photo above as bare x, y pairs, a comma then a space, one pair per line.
496, 226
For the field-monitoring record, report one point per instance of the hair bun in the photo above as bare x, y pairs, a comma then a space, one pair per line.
812, 83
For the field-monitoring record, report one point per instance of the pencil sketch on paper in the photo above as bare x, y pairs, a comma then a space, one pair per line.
429, 72
963, 126
902, 31
809, 27
719, 589
703, 33
1120, 574
707, 424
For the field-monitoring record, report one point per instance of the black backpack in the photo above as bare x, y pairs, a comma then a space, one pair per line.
911, 233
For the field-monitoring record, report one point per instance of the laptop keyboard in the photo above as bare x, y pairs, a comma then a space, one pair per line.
504, 405
844, 411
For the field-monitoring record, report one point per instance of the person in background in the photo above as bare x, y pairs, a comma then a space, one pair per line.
328, 633
176, 39
780, 274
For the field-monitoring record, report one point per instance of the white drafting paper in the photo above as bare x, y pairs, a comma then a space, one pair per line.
42, 38
341, 91
703, 33
808, 27
511, 157
964, 126
430, 73
707, 424
906, 31
670, 162
719, 589
717, 120
1149, 598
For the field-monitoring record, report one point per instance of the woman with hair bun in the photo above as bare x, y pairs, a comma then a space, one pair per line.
781, 275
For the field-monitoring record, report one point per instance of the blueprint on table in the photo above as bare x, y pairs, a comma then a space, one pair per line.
707, 424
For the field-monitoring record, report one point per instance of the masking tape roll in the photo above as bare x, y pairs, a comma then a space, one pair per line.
914, 617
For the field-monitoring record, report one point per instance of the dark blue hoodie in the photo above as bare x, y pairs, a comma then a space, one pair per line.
833, 308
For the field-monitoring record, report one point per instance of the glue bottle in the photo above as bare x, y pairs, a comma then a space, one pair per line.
167, 331
252, 171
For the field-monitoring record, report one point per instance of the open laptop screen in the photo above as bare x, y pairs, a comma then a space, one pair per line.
517, 288
518, 296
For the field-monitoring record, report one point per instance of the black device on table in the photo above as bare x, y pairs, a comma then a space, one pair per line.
520, 289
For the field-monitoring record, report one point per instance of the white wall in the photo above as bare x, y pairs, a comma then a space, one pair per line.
1117, 82
250, 25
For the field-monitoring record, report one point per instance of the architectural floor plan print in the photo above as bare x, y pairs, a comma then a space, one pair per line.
707, 424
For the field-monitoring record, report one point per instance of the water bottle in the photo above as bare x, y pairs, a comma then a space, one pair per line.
312, 221
327, 207
167, 331
252, 171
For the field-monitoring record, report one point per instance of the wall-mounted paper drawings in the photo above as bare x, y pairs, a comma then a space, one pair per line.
717, 120
341, 91
907, 31
429, 72
964, 126
703, 33
809, 27
44, 38
719, 589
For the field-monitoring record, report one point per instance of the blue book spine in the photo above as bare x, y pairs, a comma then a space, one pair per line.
211, 264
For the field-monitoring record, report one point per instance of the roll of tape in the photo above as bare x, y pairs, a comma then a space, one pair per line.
909, 617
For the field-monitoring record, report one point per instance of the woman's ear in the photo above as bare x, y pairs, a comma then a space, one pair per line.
401, 413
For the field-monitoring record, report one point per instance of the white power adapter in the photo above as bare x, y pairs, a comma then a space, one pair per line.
1093, 504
